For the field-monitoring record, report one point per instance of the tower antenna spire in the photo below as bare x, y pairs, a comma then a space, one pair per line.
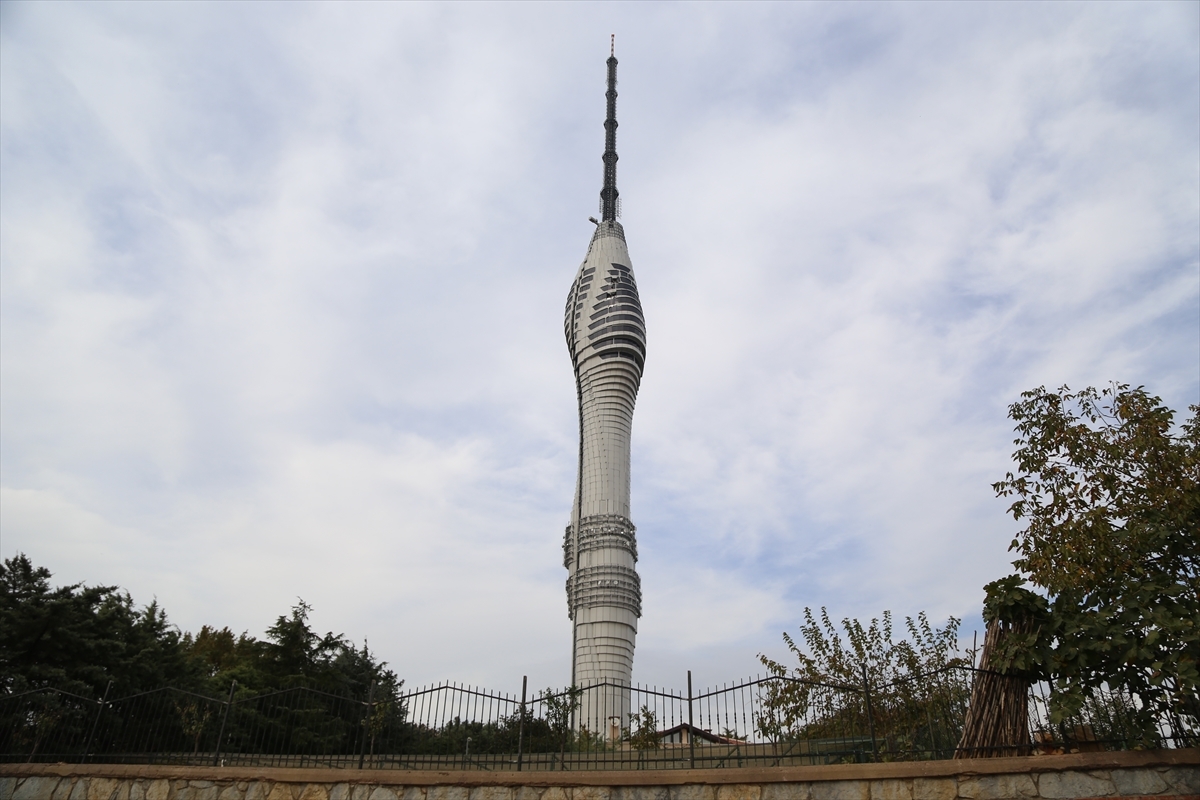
610, 206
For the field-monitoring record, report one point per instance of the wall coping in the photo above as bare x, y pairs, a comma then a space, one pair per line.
670, 777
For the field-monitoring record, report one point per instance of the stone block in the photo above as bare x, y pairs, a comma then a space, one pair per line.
361, 792
641, 793
997, 787
388, 793
739, 791
35, 788
184, 791
841, 790
258, 790
444, 793
412, 793
78, 789
1069, 784
786, 791
1182, 780
1138, 782
102, 789
691, 791
279, 791
8, 785
934, 789
161, 789
520, 793
552, 793
64, 788
314, 791
232, 792
891, 789
591, 793
189, 792
491, 793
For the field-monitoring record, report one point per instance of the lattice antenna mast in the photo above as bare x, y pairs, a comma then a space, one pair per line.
610, 203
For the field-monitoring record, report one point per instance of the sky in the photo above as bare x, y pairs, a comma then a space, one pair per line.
281, 296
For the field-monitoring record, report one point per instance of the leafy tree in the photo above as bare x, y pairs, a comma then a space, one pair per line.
916, 690
561, 708
1104, 487
1110, 495
644, 730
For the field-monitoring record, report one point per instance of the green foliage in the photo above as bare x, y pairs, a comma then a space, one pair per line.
830, 660
307, 689
451, 738
1104, 487
588, 740
550, 733
78, 638
1023, 618
560, 711
1111, 501
913, 682
643, 734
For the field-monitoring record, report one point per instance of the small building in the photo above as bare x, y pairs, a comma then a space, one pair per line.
684, 733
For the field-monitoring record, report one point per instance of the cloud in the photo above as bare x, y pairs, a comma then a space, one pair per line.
281, 302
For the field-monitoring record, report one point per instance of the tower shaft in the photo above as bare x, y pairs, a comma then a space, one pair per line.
606, 337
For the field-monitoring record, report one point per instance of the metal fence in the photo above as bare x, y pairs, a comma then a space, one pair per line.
764, 721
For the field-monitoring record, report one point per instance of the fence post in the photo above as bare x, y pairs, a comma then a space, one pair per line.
95, 724
521, 726
691, 728
870, 715
224, 719
366, 725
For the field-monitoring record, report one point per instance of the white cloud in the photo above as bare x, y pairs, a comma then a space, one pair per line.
281, 302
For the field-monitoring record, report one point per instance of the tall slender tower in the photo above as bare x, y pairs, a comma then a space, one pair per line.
606, 336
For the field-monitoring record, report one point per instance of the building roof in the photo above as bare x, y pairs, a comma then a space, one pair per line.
707, 736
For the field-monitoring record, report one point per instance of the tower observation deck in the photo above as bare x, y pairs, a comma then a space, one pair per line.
606, 337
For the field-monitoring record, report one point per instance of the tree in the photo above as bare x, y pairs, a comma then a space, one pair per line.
561, 708
1110, 495
62, 648
292, 655
644, 733
915, 683
1105, 487
78, 638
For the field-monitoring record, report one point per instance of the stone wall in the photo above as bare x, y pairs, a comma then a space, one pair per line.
1174, 773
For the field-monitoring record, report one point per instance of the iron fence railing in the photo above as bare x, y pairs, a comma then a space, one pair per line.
763, 721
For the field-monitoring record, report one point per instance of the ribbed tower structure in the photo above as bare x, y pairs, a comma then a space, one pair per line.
606, 336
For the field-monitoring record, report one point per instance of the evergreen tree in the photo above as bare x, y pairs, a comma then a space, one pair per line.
78, 638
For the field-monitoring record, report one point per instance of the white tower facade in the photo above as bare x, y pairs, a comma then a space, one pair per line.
606, 337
